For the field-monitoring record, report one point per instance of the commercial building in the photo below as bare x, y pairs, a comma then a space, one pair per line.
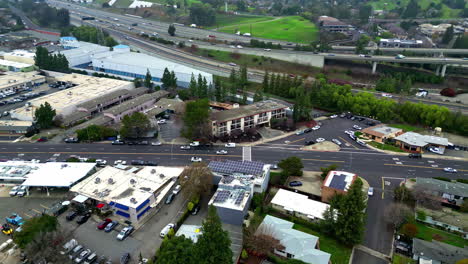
298, 205
50, 174
332, 24
13, 81
400, 43
295, 244
14, 127
416, 143
132, 196
436, 252
78, 53
13, 66
237, 181
101, 93
380, 133
22, 56
452, 193
244, 117
336, 182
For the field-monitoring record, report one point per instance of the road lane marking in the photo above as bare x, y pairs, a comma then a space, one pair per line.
295, 141
28, 215
121, 153
348, 142
416, 166
43, 206
325, 160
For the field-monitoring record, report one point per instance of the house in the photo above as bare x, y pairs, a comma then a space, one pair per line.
450, 192
380, 133
336, 182
400, 43
298, 205
252, 172
416, 143
296, 244
436, 252
241, 118
445, 218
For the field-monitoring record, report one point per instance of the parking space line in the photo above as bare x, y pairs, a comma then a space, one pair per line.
296, 140
37, 211
43, 206
28, 215
348, 142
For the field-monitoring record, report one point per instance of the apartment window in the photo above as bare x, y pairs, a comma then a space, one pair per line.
262, 117
248, 122
280, 113
235, 124
289, 255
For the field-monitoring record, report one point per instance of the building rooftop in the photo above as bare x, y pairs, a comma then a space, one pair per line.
9, 78
301, 245
415, 139
454, 188
165, 104
247, 110
438, 251
381, 130
292, 201
237, 166
189, 231
113, 185
14, 64
4, 124
340, 180
50, 174
447, 215
68, 38
21, 53
116, 110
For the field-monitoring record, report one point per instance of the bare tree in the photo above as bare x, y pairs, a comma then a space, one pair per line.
46, 246
397, 213
262, 241
426, 198
196, 180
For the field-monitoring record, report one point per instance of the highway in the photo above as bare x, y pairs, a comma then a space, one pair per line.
400, 50
418, 60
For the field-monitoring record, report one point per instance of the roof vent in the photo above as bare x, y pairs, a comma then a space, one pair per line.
97, 180
132, 181
110, 181
133, 200
162, 175
153, 171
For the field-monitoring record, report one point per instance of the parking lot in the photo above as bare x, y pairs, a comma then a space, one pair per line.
171, 129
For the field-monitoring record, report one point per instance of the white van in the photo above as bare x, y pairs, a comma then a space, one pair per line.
166, 229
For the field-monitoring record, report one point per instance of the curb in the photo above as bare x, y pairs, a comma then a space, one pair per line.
425, 156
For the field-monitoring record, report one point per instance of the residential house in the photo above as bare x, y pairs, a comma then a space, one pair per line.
298, 205
436, 252
453, 193
336, 182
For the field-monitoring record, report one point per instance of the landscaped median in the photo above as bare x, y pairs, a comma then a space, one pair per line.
385, 146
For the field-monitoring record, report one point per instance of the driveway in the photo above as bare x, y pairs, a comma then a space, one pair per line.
170, 130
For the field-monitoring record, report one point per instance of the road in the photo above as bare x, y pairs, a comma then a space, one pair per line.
400, 50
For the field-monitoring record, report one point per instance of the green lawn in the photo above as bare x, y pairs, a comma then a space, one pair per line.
400, 259
122, 3
223, 20
291, 28
340, 254
388, 5
385, 146
405, 127
428, 233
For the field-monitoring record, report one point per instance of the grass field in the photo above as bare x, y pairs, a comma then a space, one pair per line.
388, 5
291, 28
223, 20
400, 259
405, 127
340, 254
428, 233
385, 146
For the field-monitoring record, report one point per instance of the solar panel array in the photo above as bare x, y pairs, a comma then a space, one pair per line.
338, 182
240, 197
222, 196
231, 166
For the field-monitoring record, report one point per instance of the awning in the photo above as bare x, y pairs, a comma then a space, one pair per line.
80, 198
101, 205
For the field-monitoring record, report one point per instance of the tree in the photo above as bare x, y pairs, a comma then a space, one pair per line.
425, 198
448, 35
365, 11
45, 245
166, 78
196, 180
409, 229
265, 83
450, 92
196, 119
464, 206
44, 115
202, 14
412, 9
291, 166
193, 86
326, 170
171, 30
148, 79
95, 133
241, 6
138, 82
404, 195
262, 241
397, 213
178, 249
135, 125
258, 96
33, 227
243, 79
213, 245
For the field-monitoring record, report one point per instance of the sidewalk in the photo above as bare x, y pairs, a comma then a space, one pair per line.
429, 156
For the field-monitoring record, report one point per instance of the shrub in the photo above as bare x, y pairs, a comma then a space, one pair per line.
450, 92
409, 229
442, 179
244, 254
462, 181
421, 215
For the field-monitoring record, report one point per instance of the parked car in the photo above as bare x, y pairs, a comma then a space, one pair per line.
300, 132
75, 251
451, 170
157, 143
295, 183
349, 132
318, 140
333, 116
137, 162
125, 258
120, 162
22, 191
415, 155
221, 152
370, 191
126, 231
336, 141
118, 142
308, 130
71, 140
316, 127
110, 226
161, 121
357, 127
309, 142
230, 145
14, 190
177, 189
71, 215
42, 139
82, 256
101, 162
82, 219
196, 159
150, 163
91, 258
435, 150
104, 223
67, 247
196, 209
184, 147
170, 198
166, 229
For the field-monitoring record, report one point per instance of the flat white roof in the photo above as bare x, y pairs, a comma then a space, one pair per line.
14, 64
299, 203
12, 78
233, 195
419, 140
21, 53
189, 231
111, 184
50, 174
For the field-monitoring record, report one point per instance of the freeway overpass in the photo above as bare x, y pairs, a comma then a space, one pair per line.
400, 50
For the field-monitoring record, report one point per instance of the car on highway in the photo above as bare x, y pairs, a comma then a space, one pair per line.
157, 143
104, 223
370, 191
318, 140
451, 170
300, 132
118, 142
400, 57
71, 140
125, 258
14, 190
336, 141
232, 64
71, 215
357, 127
331, 54
295, 183
387, 95
177, 189
125, 232
196, 159
166, 229
169, 198
184, 147
267, 49
333, 116
195, 144
161, 121
221, 152
368, 56
362, 55
230, 145
82, 256
239, 47
309, 142
110, 226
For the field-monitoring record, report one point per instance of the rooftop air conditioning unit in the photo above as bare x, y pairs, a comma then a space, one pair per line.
132, 181
97, 180
162, 175
133, 200
110, 181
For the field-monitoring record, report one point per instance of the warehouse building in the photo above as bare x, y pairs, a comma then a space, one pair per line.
13, 81
79, 54
132, 196
13, 66
14, 127
22, 56
99, 92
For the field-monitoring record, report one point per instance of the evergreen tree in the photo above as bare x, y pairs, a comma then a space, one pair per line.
265, 83
272, 84
258, 96
166, 78
213, 245
205, 89
173, 79
412, 9
233, 82
448, 35
171, 30
193, 86
137, 82
218, 90
243, 79
244, 98
148, 83
44, 115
